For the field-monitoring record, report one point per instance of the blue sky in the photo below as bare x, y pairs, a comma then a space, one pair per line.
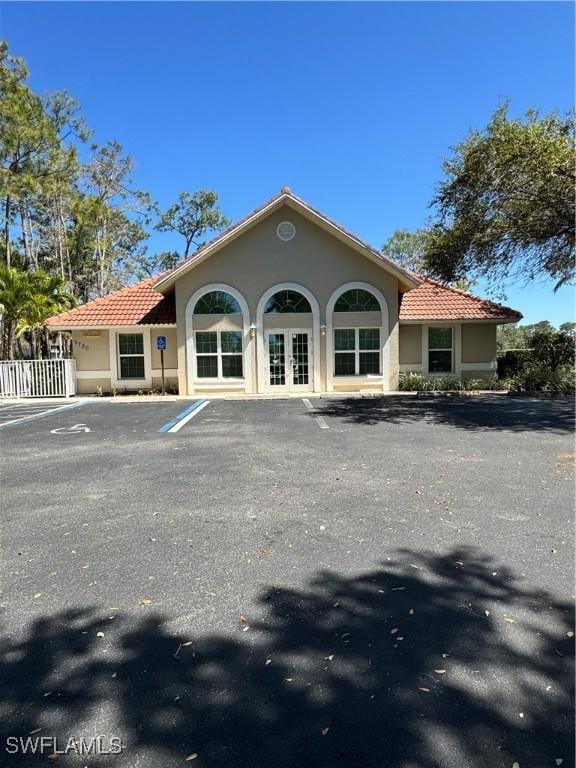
353, 105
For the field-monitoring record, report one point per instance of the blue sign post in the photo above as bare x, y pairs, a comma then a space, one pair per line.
161, 345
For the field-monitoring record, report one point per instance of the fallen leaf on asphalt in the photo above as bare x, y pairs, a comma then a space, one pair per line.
411, 611
324, 731
487, 613
185, 645
243, 619
445, 655
424, 690
515, 765
521, 715
114, 674
145, 601
99, 634
288, 679
440, 671
393, 631
559, 761
268, 661
510, 621
246, 628
569, 634
38, 594
191, 757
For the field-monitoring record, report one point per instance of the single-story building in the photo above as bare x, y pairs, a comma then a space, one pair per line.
283, 301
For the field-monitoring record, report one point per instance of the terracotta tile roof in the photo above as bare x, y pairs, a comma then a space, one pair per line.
141, 304
434, 301
137, 304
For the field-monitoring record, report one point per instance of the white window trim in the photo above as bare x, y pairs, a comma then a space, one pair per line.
357, 352
384, 379
261, 347
456, 349
192, 380
115, 379
220, 378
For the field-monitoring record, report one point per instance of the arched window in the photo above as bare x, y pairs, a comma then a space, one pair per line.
357, 300
287, 301
217, 303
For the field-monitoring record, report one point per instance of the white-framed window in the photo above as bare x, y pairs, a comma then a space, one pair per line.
131, 356
219, 355
440, 349
357, 352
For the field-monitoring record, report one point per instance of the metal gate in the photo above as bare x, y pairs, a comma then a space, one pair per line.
37, 378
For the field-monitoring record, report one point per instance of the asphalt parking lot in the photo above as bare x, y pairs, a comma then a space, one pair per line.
374, 582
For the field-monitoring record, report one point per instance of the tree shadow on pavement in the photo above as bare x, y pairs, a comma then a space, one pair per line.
516, 414
426, 661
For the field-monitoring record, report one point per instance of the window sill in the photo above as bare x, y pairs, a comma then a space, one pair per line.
437, 374
227, 380
358, 377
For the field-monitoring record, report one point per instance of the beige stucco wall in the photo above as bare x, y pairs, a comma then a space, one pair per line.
258, 260
478, 342
91, 352
171, 351
171, 384
410, 344
93, 386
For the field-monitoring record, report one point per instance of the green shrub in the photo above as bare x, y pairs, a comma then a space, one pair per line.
549, 349
552, 350
540, 379
411, 381
513, 362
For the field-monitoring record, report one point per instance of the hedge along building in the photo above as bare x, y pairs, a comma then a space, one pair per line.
283, 301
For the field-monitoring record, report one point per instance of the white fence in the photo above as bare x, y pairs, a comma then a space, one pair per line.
37, 378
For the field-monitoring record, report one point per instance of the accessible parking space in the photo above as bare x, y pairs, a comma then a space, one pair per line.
103, 420
13, 413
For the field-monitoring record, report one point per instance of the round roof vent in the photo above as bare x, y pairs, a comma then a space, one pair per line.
285, 230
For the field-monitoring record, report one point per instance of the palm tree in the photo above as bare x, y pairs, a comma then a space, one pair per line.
26, 300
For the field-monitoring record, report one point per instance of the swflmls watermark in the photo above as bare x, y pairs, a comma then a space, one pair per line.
53, 745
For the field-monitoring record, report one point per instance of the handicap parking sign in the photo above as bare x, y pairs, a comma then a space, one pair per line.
160, 342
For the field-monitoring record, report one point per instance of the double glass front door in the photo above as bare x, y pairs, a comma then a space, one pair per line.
288, 360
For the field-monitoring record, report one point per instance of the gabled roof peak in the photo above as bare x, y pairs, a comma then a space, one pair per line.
286, 197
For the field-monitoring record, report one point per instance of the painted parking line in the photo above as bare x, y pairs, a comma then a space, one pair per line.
183, 418
318, 419
48, 412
